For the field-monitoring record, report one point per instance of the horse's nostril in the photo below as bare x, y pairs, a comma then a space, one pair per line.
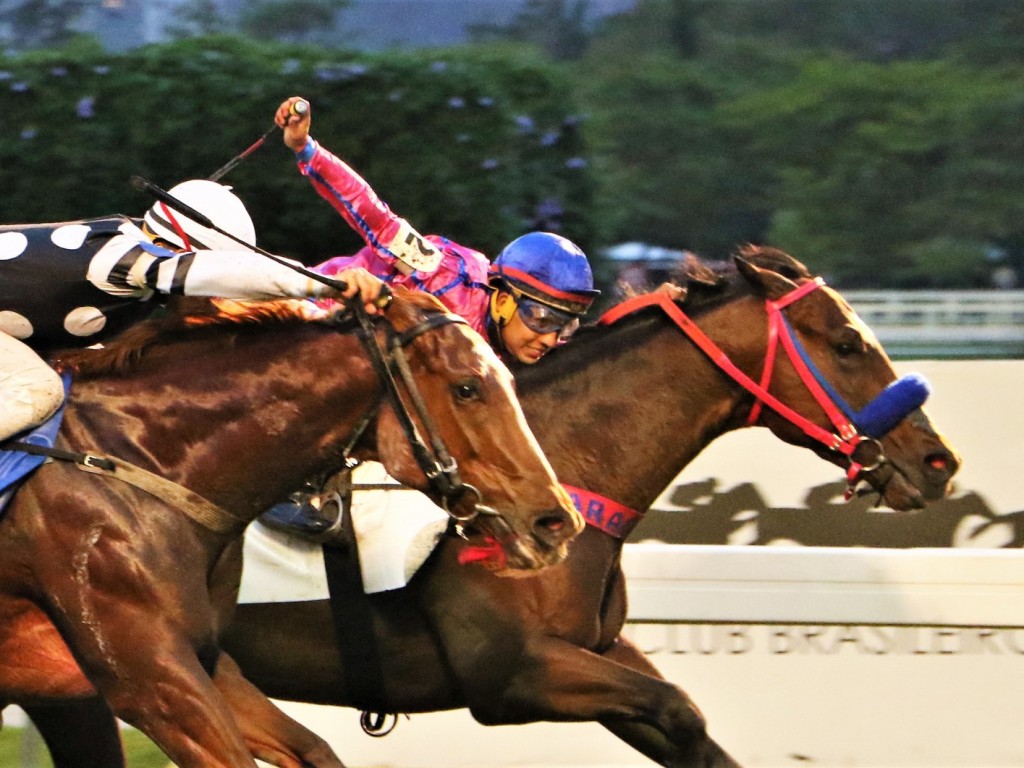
941, 462
552, 523
553, 529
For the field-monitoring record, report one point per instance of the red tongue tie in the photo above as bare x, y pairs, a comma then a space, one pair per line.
488, 553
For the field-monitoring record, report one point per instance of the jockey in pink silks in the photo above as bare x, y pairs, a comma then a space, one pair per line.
527, 302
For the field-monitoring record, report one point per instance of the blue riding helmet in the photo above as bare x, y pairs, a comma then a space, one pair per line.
549, 269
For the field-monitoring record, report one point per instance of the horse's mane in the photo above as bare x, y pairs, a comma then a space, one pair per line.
706, 285
183, 317
188, 316
773, 259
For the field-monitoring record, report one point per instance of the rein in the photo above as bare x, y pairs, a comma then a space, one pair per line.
196, 507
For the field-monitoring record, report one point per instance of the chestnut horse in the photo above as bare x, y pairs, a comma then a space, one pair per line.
138, 576
620, 412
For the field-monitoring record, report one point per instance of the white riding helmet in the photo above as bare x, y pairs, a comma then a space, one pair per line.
215, 201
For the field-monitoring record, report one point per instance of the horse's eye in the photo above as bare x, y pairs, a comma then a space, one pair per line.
467, 390
849, 343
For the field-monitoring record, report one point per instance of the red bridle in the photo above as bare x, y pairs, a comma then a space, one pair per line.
845, 439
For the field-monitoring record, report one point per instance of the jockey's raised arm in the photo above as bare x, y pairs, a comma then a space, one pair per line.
526, 303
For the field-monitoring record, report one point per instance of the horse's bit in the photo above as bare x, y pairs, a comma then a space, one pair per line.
863, 451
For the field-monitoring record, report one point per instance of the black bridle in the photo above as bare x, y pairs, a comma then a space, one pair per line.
435, 461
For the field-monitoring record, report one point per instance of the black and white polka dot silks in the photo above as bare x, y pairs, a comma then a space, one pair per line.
65, 285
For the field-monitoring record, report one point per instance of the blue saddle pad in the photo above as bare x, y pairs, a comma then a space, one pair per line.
16, 465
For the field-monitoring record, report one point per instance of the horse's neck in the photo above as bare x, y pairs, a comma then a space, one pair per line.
240, 423
625, 425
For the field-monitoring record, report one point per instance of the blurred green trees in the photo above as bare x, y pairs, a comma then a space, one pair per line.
476, 147
882, 157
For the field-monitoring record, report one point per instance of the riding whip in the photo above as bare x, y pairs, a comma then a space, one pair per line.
298, 109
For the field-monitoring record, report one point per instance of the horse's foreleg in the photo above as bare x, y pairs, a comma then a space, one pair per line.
651, 741
159, 687
557, 681
79, 734
272, 736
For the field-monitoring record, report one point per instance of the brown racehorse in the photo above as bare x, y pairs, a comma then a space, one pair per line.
620, 412
238, 408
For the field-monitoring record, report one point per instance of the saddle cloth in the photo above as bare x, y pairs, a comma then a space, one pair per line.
395, 532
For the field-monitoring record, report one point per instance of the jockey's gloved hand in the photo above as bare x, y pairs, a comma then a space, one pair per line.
293, 117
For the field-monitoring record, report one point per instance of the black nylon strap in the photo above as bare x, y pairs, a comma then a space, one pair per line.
85, 459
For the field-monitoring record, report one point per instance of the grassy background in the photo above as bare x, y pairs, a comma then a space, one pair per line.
142, 753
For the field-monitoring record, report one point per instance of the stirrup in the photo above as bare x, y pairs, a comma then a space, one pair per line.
301, 517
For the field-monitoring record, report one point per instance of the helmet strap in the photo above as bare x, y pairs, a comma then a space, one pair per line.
502, 310
177, 226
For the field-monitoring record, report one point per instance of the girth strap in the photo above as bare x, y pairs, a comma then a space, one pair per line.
196, 507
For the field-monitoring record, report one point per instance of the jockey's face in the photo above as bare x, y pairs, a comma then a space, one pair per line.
524, 344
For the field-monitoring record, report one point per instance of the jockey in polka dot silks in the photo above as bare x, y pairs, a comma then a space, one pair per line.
75, 284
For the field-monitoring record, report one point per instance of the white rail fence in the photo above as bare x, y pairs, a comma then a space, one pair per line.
969, 324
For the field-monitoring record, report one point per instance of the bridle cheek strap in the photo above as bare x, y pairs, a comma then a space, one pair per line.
778, 328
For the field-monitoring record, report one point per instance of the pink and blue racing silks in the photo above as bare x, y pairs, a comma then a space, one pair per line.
394, 251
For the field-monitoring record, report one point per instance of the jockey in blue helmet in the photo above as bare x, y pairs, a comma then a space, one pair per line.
526, 302
541, 286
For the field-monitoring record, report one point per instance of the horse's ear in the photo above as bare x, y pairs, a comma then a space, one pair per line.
770, 284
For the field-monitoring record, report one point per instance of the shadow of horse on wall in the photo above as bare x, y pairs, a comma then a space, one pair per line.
704, 513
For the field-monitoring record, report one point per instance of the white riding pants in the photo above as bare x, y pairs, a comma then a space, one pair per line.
30, 390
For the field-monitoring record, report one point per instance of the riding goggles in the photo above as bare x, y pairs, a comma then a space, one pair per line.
542, 319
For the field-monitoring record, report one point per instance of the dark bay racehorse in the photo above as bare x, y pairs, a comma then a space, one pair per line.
138, 576
620, 411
